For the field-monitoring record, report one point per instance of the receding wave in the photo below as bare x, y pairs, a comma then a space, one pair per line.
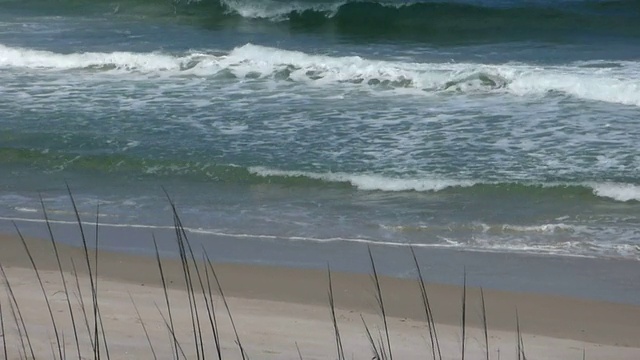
573, 248
614, 82
155, 169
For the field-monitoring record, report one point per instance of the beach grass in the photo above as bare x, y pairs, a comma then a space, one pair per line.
203, 288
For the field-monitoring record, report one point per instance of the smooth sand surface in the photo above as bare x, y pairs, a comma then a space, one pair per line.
277, 308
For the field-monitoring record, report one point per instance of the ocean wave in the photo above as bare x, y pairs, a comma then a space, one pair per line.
368, 182
441, 22
614, 83
422, 13
447, 21
124, 165
478, 227
38, 59
616, 191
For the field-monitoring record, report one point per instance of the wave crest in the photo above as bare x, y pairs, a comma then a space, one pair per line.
441, 21
616, 191
369, 182
614, 83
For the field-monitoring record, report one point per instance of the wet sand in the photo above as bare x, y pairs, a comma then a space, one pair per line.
277, 307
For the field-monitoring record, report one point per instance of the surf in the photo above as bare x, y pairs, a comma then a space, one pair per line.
608, 82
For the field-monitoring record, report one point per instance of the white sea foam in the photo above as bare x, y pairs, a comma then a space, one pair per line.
276, 10
615, 84
617, 191
370, 182
26, 209
280, 10
478, 244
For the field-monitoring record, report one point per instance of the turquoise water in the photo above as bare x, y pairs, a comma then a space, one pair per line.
503, 126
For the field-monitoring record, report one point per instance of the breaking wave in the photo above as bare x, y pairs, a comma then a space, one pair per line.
446, 21
135, 167
608, 82
458, 21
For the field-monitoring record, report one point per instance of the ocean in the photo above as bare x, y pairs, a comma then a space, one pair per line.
500, 126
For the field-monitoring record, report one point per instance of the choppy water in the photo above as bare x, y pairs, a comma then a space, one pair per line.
482, 125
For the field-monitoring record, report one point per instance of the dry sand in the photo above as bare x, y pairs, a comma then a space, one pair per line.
275, 308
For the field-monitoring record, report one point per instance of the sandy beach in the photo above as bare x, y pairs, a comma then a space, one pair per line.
276, 308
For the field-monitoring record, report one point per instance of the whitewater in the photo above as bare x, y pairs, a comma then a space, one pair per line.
603, 81
477, 126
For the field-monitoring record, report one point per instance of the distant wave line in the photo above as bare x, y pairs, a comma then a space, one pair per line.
532, 249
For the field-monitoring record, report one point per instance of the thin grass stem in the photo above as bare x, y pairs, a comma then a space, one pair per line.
96, 350
144, 327
212, 312
433, 334
372, 343
44, 292
193, 309
298, 349
464, 312
166, 296
173, 334
3, 334
226, 305
484, 325
80, 299
16, 309
336, 330
62, 277
380, 302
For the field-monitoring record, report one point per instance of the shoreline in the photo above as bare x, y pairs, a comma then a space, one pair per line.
600, 279
541, 316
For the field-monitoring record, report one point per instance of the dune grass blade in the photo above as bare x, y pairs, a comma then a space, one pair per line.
173, 334
62, 277
518, 337
44, 292
374, 348
82, 305
298, 349
144, 327
16, 309
96, 348
166, 296
53, 351
383, 351
524, 356
380, 300
97, 305
433, 334
64, 346
186, 241
3, 334
336, 330
226, 305
211, 312
193, 305
484, 325
15, 320
464, 312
